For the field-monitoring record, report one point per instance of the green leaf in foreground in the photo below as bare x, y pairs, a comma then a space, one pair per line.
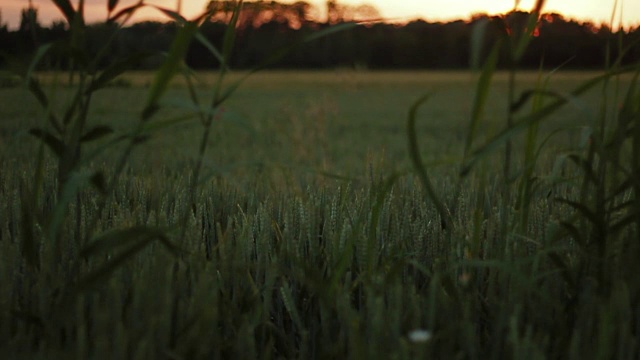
532, 24
209, 46
103, 272
176, 16
72, 186
56, 145
477, 42
116, 69
169, 68
120, 245
126, 12
230, 33
66, 8
112, 5
29, 243
37, 58
538, 116
96, 133
482, 94
418, 163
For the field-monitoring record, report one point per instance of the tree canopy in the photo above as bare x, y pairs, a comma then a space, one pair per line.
266, 26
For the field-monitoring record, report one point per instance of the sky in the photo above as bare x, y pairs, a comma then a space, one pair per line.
597, 11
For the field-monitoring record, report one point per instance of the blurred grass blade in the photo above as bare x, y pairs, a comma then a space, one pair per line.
29, 245
72, 186
189, 76
382, 194
80, 10
37, 58
121, 245
89, 157
628, 112
73, 108
539, 6
528, 35
565, 269
96, 133
536, 117
501, 26
56, 145
111, 5
622, 224
172, 14
169, 68
66, 9
126, 12
586, 166
102, 273
212, 49
227, 48
528, 94
478, 34
522, 100
34, 87
573, 232
482, 94
230, 34
583, 210
111, 240
163, 124
116, 69
418, 164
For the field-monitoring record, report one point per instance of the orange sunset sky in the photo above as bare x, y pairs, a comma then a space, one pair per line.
598, 11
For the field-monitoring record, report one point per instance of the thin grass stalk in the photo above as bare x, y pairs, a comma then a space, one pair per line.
78, 111
601, 237
209, 117
530, 157
517, 48
511, 95
446, 219
506, 190
160, 84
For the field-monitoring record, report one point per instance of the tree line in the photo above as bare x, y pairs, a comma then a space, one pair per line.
266, 27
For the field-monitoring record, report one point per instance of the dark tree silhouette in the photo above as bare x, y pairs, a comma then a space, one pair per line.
266, 26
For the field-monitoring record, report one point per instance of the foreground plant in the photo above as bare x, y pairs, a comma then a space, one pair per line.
85, 196
592, 245
350, 270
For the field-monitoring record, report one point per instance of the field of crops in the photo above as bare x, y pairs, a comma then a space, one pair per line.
338, 121
311, 232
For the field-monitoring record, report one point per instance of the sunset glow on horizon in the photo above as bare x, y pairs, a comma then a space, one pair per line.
596, 11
